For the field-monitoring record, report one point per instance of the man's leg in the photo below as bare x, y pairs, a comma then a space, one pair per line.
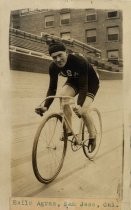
67, 91
85, 112
89, 123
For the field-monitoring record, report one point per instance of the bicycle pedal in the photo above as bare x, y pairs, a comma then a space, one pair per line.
77, 143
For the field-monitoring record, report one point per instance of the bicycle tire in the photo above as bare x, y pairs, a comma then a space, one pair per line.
43, 153
98, 127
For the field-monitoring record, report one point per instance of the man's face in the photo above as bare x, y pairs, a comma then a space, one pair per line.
60, 58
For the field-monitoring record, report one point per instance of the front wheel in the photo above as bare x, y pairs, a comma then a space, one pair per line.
95, 114
49, 148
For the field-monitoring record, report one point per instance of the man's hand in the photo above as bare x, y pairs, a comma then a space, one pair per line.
77, 110
40, 110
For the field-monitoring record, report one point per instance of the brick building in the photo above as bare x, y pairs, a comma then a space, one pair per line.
99, 28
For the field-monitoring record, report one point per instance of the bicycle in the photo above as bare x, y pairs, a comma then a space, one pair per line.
50, 142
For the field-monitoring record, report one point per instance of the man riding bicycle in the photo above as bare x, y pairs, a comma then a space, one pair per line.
82, 80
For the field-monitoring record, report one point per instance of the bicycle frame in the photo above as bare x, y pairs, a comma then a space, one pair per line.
64, 118
45, 147
75, 135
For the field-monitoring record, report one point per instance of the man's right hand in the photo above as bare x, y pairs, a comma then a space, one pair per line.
77, 110
40, 110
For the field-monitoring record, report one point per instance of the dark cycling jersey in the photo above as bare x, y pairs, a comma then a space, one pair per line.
80, 75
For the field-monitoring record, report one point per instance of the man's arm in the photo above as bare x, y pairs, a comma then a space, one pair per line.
83, 89
83, 84
88, 83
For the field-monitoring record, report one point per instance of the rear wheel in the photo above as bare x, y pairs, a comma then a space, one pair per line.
49, 148
95, 114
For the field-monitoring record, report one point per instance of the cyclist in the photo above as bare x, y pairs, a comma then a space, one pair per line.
82, 80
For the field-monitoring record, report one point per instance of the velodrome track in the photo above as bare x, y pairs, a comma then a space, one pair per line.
79, 176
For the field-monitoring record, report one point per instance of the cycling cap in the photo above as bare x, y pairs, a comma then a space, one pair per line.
56, 46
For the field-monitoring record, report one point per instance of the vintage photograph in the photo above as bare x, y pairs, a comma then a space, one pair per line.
66, 69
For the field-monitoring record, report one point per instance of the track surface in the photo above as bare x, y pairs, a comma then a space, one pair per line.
79, 178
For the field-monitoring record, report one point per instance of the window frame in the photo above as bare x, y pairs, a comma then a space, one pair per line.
113, 40
91, 14
114, 60
93, 29
65, 19
112, 17
49, 21
67, 32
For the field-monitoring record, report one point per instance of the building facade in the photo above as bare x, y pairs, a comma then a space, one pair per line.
99, 28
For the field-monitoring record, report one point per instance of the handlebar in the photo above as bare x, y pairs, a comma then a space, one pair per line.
60, 97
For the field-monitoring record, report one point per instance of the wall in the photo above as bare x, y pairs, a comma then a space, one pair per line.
28, 63
34, 23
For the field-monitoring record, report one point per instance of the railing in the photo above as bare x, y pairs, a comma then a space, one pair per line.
28, 44
28, 52
73, 42
35, 43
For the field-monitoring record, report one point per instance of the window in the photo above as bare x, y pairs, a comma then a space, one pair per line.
113, 33
49, 21
66, 35
112, 14
90, 15
65, 18
91, 35
113, 56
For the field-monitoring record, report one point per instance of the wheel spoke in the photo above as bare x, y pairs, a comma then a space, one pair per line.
48, 154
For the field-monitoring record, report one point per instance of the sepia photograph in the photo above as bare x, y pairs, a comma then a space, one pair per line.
66, 81
61, 53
